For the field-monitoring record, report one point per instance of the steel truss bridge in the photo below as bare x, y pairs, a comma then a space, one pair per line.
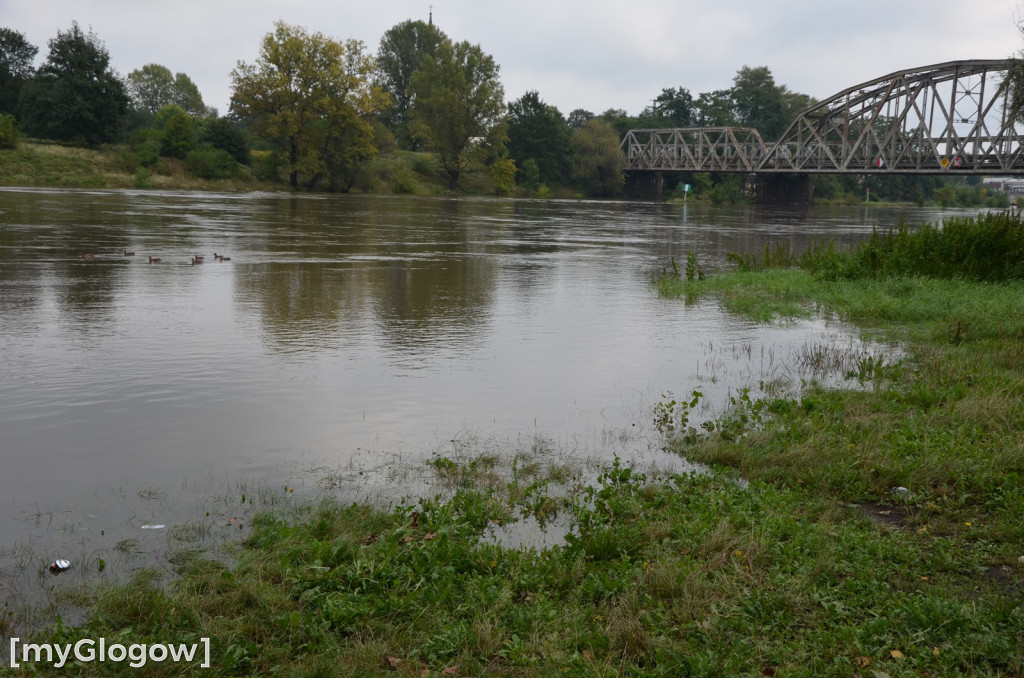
950, 117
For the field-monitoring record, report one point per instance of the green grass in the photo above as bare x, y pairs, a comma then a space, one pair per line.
663, 575
793, 557
52, 165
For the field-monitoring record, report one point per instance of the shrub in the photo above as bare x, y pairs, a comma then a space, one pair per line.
8, 131
266, 165
179, 137
227, 136
987, 248
207, 162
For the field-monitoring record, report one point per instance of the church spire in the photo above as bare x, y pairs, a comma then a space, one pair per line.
430, 18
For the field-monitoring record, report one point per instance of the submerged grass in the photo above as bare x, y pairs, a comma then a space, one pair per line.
868, 532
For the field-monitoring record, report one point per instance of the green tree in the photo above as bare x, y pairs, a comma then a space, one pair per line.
16, 56
793, 103
620, 121
226, 135
538, 130
300, 88
714, 109
503, 173
186, 94
458, 104
579, 116
674, 107
75, 95
179, 135
758, 102
8, 131
152, 87
529, 175
597, 161
399, 56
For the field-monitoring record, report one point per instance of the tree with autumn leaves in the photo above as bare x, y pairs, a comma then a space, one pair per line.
311, 97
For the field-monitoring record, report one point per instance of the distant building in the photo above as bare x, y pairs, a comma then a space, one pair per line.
1004, 185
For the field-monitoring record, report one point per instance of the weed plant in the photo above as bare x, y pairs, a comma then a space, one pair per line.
989, 247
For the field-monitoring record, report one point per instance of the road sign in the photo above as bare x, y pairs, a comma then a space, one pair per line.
879, 162
956, 162
944, 162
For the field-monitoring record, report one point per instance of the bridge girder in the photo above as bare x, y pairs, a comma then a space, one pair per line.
954, 116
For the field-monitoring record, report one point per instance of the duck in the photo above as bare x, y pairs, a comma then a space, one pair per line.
221, 257
197, 260
129, 254
154, 260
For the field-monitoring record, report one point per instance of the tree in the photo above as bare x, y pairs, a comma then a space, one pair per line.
597, 161
503, 173
758, 101
538, 130
458, 104
16, 56
1014, 81
8, 131
714, 109
619, 119
306, 94
399, 56
579, 116
179, 133
674, 107
75, 95
152, 87
225, 135
186, 94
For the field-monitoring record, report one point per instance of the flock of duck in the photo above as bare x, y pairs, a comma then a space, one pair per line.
196, 260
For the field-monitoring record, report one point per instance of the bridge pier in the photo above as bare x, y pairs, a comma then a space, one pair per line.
779, 189
645, 185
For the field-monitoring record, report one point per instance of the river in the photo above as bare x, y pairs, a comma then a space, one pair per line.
349, 337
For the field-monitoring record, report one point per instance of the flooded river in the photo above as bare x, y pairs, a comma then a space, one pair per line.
352, 336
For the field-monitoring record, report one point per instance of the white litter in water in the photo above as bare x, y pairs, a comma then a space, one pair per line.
153, 527
59, 566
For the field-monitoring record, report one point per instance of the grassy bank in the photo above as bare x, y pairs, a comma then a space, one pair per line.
795, 556
56, 166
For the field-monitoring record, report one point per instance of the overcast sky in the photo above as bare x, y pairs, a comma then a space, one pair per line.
594, 54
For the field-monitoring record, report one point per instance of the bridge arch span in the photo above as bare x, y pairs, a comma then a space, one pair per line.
949, 117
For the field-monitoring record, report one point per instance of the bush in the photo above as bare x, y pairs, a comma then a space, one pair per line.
989, 248
8, 131
266, 165
179, 137
227, 136
207, 162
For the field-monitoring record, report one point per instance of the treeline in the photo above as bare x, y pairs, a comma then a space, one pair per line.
316, 112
